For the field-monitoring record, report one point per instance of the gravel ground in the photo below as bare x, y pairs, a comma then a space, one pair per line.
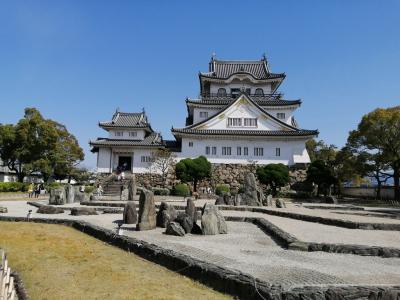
248, 249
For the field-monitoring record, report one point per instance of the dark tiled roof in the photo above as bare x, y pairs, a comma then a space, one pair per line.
153, 140
224, 69
262, 101
300, 132
121, 119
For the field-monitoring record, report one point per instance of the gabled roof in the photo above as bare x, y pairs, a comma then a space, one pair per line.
224, 69
288, 130
127, 120
153, 140
262, 101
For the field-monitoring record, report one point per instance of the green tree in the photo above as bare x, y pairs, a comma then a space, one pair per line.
193, 170
321, 174
36, 144
274, 175
318, 150
377, 141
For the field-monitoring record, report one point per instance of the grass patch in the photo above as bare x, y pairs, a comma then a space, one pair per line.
59, 262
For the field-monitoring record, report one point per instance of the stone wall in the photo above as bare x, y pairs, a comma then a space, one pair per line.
232, 174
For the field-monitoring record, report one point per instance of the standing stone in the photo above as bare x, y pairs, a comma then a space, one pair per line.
166, 213
185, 221
132, 189
173, 228
80, 197
228, 199
251, 193
130, 214
57, 196
191, 210
124, 194
238, 200
269, 201
280, 203
147, 211
212, 221
69, 194
220, 201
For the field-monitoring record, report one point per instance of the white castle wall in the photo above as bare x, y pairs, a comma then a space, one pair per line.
140, 134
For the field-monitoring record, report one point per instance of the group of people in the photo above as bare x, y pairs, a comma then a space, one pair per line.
34, 190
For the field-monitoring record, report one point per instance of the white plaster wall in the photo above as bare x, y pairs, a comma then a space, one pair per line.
140, 134
288, 113
103, 160
292, 150
196, 113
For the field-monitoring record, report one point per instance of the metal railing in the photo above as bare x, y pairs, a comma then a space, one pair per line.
235, 95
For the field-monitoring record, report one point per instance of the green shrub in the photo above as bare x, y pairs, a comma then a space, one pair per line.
160, 191
221, 189
13, 187
181, 189
52, 185
89, 188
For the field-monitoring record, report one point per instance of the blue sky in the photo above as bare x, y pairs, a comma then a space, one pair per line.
77, 61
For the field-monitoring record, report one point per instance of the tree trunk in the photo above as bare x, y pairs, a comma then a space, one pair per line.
396, 175
378, 188
20, 177
195, 185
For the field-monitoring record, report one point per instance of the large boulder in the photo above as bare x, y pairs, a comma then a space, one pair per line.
173, 228
130, 214
69, 194
331, 200
252, 194
3, 210
147, 211
80, 196
237, 200
269, 201
57, 196
185, 221
191, 210
83, 211
212, 221
166, 213
132, 188
48, 209
280, 203
220, 200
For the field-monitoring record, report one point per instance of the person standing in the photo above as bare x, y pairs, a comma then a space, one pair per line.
30, 190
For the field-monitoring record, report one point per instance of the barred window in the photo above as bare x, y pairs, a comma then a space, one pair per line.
190, 144
214, 150
251, 122
146, 159
119, 133
258, 151
259, 92
204, 114
281, 116
278, 152
208, 150
239, 150
132, 133
226, 150
245, 151
234, 122
221, 92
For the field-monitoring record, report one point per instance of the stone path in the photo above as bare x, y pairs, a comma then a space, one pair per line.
248, 249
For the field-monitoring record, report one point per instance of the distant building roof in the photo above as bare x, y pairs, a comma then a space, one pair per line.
226, 68
153, 140
129, 120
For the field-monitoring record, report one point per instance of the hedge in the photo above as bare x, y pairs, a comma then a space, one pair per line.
181, 189
221, 189
13, 187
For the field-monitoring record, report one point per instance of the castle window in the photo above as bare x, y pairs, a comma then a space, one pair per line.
207, 150
235, 92
250, 122
226, 150
204, 114
258, 151
190, 144
239, 151
259, 92
278, 152
281, 116
234, 122
214, 150
221, 92
245, 151
132, 133
248, 91
146, 159
119, 133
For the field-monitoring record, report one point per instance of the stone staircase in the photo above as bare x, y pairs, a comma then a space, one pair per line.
113, 188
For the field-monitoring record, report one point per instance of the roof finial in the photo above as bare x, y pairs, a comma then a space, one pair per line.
264, 56
117, 110
213, 56
143, 111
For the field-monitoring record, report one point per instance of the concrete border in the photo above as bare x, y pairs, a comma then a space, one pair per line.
232, 282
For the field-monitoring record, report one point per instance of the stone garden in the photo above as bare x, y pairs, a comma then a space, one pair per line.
248, 244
